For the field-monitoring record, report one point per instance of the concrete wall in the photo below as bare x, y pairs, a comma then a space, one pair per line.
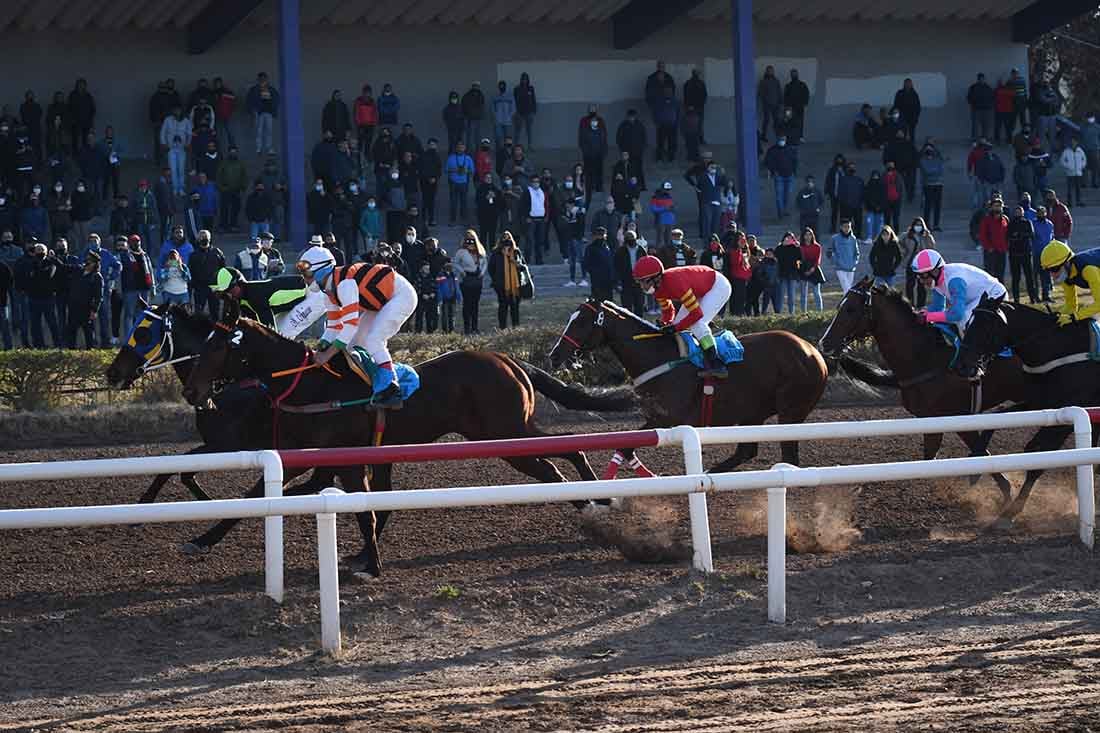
570, 64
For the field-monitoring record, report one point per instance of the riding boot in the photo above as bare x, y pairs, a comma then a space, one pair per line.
386, 391
713, 366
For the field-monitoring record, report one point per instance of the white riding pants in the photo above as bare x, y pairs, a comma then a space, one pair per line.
376, 328
709, 304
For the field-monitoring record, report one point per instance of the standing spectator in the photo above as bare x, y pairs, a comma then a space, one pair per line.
1044, 235
1090, 141
344, 221
895, 190
677, 253
519, 171
225, 104
608, 218
165, 202
208, 201
714, 256
504, 111
658, 85
599, 263
626, 256
109, 269
832, 189
740, 265
695, 96
1004, 102
1059, 215
83, 210
471, 263
981, 98
526, 106
136, 279
397, 205
39, 289
769, 95
251, 261
370, 225
1047, 103
210, 160
114, 161
204, 264
319, 208
263, 105
535, 209
489, 201
809, 270
68, 265
917, 238
989, 172
788, 257
1074, 163
664, 213
146, 217
1019, 89
232, 180
630, 138
84, 299
460, 170
666, 116
454, 121
366, 119
851, 192
430, 170
31, 115
505, 267
178, 242
931, 177
691, 127
389, 106
993, 236
885, 257
844, 252
903, 154
81, 114
809, 202
175, 280
592, 141
59, 207
907, 102
483, 160
258, 209
765, 282
335, 117
94, 167
448, 293
796, 97
1021, 243
473, 110
34, 220
1025, 178
782, 163
572, 211
1041, 162
866, 130
192, 217
175, 136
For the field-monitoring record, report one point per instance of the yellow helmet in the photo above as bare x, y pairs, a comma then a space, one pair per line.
1055, 255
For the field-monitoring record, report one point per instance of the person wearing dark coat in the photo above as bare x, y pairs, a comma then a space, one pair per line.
796, 97
592, 141
430, 169
489, 201
473, 110
907, 102
631, 138
57, 124
903, 154
600, 266
85, 293
695, 95
30, 114
454, 121
626, 256
5, 293
81, 109
335, 117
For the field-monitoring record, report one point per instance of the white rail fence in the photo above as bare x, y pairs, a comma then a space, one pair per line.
694, 483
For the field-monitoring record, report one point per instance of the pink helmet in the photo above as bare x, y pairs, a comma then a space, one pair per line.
927, 260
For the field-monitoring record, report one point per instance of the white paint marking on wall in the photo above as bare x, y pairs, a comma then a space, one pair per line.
878, 91
719, 73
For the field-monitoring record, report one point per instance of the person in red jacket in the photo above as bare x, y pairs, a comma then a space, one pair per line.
701, 293
1005, 106
366, 119
1059, 216
993, 236
740, 274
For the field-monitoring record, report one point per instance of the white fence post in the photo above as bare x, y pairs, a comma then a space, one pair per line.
273, 526
329, 577
702, 558
1086, 493
777, 554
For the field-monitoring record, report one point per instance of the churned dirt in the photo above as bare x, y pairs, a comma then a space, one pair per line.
903, 612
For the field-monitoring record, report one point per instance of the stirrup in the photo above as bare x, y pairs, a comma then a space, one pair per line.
390, 397
715, 372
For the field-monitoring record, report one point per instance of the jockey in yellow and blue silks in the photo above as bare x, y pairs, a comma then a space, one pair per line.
1073, 271
957, 288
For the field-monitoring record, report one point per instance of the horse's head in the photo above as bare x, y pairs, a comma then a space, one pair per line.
986, 335
148, 344
584, 332
852, 321
222, 357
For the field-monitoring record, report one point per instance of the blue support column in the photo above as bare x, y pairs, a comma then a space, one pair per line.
744, 83
292, 132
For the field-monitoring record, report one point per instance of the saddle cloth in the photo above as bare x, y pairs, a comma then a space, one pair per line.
408, 381
730, 350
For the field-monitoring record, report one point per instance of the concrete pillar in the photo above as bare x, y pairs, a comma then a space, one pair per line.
744, 84
292, 133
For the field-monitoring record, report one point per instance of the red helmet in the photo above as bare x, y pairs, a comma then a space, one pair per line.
647, 267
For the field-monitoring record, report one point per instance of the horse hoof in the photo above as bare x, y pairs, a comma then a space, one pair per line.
1003, 524
595, 510
974, 480
194, 549
616, 504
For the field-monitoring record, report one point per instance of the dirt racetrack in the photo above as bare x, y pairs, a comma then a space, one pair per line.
903, 613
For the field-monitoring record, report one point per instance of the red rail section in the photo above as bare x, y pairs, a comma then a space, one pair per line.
512, 448
1094, 413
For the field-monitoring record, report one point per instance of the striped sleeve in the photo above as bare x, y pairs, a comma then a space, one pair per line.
343, 315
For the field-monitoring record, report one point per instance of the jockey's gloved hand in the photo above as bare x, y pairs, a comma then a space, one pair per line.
668, 329
922, 315
1064, 319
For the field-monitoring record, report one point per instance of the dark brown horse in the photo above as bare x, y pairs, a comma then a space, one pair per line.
479, 395
781, 375
920, 360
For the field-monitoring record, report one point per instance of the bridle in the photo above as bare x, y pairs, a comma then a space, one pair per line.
160, 355
869, 314
598, 321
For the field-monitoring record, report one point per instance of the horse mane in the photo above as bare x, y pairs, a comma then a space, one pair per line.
898, 300
629, 315
200, 320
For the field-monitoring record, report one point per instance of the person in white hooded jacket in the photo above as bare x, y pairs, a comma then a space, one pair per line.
1074, 162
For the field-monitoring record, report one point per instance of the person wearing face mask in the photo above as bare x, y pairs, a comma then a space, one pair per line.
34, 220
413, 251
1072, 271
488, 203
39, 287
796, 96
931, 175
179, 242
471, 264
572, 211
916, 239
371, 226
690, 297
1044, 235
895, 192
1021, 242
599, 263
850, 195
319, 208
136, 281
430, 170
504, 112
258, 210
336, 117
460, 171
143, 203
205, 262
84, 300
844, 253
453, 120
251, 261
608, 217
782, 164
232, 180
626, 257
262, 103
592, 141
809, 201
907, 102
389, 106
875, 203
366, 119
384, 154
993, 236
535, 209
397, 203
473, 110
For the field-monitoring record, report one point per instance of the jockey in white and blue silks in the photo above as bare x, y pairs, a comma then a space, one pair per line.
957, 288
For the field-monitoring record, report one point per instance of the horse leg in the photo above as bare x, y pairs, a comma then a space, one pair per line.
932, 444
381, 480
579, 461
745, 452
543, 471
204, 542
368, 559
978, 444
1048, 438
193, 486
159, 481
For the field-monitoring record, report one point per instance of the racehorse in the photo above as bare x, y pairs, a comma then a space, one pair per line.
920, 360
1058, 369
479, 395
781, 375
173, 336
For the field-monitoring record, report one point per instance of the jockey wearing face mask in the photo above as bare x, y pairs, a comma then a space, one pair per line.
1073, 271
701, 293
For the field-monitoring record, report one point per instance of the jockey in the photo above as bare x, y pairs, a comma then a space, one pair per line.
284, 303
1073, 271
956, 288
700, 291
367, 305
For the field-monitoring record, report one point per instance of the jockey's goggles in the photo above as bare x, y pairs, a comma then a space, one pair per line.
1056, 269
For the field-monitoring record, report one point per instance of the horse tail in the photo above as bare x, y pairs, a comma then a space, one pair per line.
575, 397
865, 372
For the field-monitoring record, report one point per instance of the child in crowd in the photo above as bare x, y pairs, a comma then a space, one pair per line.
449, 294
427, 309
766, 273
